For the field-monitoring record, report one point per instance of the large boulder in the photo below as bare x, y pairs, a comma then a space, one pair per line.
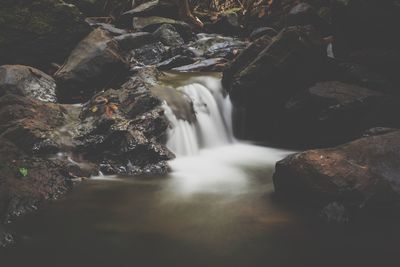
291, 62
94, 64
267, 73
32, 168
27, 81
363, 174
38, 32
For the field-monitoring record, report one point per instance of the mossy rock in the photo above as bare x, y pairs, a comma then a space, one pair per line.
39, 32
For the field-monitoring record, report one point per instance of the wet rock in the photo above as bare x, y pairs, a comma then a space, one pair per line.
150, 54
37, 33
26, 180
168, 35
244, 59
361, 175
122, 130
214, 46
135, 40
151, 24
27, 81
111, 29
153, 8
175, 62
94, 64
259, 32
31, 169
212, 64
26, 121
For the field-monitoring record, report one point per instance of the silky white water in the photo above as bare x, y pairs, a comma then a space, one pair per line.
213, 125
209, 159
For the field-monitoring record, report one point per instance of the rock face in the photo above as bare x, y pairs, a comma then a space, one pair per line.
37, 33
362, 174
27, 81
94, 64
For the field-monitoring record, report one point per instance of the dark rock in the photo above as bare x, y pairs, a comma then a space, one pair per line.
27, 81
151, 24
227, 24
150, 54
111, 29
153, 8
26, 121
365, 24
259, 32
385, 62
94, 64
30, 169
99, 8
122, 130
37, 33
304, 14
174, 62
378, 131
168, 35
354, 73
135, 40
244, 59
213, 46
291, 62
359, 175
212, 64
331, 113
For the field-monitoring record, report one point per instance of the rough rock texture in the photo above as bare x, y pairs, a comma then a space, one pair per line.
38, 32
27, 81
94, 64
30, 170
150, 24
98, 8
362, 174
135, 40
122, 130
168, 35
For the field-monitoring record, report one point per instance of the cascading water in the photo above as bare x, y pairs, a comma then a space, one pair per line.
213, 124
209, 159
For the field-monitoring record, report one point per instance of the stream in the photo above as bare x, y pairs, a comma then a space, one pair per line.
216, 208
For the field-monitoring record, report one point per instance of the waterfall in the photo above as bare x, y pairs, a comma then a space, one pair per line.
213, 124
